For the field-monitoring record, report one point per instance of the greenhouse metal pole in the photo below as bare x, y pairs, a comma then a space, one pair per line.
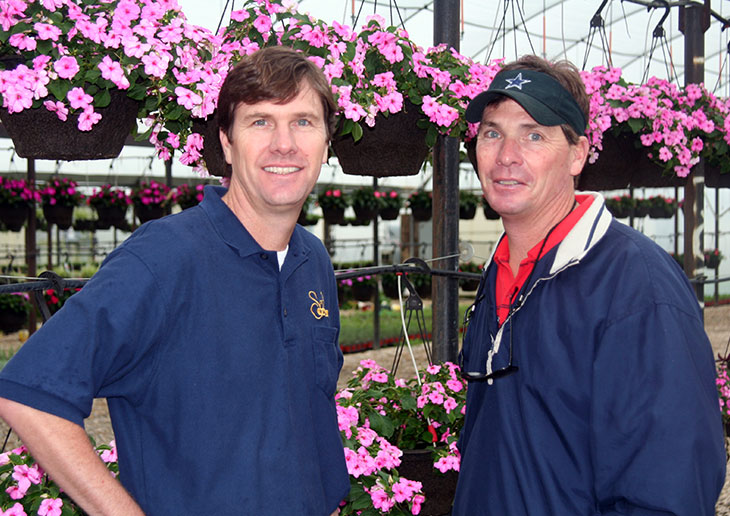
445, 290
30, 241
694, 20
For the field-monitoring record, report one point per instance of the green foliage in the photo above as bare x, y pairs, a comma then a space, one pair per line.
364, 197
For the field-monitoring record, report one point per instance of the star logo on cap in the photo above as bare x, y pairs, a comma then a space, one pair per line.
516, 82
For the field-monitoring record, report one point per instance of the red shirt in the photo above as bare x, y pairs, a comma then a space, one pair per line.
507, 285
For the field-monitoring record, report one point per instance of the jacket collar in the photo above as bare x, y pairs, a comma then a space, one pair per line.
591, 227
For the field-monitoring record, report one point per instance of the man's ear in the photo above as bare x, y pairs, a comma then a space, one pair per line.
226, 145
580, 154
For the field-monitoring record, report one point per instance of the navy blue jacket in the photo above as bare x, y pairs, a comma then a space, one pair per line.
613, 409
219, 369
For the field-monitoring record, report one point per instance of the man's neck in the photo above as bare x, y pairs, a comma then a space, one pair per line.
524, 234
271, 230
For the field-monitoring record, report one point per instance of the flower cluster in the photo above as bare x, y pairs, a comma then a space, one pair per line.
332, 198
17, 302
389, 200
713, 257
677, 125
60, 191
420, 199
373, 71
372, 464
365, 198
16, 191
187, 196
70, 54
55, 300
723, 389
423, 412
108, 196
150, 193
27, 489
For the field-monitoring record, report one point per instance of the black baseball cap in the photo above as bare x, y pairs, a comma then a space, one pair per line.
544, 98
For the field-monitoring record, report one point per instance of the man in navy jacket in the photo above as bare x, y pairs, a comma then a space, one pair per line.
592, 381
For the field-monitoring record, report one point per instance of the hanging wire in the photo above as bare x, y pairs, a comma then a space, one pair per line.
597, 25
391, 4
659, 37
503, 28
223, 15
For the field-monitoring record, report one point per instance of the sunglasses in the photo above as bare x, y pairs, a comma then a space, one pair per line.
474, 376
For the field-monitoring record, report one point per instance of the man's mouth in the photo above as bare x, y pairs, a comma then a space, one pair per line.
282, 171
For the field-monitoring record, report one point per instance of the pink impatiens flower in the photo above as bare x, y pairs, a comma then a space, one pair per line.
50, 507
78, 98
66, 67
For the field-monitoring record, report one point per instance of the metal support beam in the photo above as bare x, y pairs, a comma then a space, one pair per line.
30, 242
694, 20
445, 291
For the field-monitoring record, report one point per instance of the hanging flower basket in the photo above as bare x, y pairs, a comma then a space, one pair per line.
714, 178
149, 212
362, 291
421, 214
109, 216
13, 216
39, 133
489, 212
389, 213
59, 215
394, 146
467, 212
439, 488
215, 160
333, 215
10, 322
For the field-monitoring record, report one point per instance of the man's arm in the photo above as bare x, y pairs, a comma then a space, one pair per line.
63, 449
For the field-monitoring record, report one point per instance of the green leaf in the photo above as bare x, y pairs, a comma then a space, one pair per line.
635, 124
431, 135
357, 131
381, 425
59, 89
137, 92
102, 99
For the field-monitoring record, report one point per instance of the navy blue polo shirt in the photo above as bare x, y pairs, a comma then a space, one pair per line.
219, 369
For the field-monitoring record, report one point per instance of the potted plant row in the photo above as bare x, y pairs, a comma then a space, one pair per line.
110, 203
16, 198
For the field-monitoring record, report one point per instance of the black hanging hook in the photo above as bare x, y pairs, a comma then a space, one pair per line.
597, 25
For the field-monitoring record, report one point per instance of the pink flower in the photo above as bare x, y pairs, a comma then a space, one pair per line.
112, 71
187, 98
50, 507
58, 107
78, 98
22, 42
262, 24
417, 502
155, 64
15, 510
88, 118
239, 16
47, 31
66, 67
25, 476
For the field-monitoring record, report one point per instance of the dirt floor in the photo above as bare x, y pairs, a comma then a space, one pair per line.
98, 425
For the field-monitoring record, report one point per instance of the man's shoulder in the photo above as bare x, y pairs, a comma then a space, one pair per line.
171, 237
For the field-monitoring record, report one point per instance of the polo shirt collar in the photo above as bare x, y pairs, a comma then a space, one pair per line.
235, 234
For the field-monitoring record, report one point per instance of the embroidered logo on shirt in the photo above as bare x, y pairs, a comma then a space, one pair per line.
318, 310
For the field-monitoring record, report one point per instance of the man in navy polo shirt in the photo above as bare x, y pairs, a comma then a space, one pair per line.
591, 379
213, 334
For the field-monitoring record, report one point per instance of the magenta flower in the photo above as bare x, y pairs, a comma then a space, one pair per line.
66, 67
50, 507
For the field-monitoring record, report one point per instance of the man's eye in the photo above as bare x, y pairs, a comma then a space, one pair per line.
490, 134
303, 122
534, 137
259, 123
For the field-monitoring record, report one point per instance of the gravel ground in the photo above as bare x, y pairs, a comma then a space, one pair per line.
98, 425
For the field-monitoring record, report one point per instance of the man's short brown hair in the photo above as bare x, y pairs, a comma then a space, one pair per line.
275, 74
